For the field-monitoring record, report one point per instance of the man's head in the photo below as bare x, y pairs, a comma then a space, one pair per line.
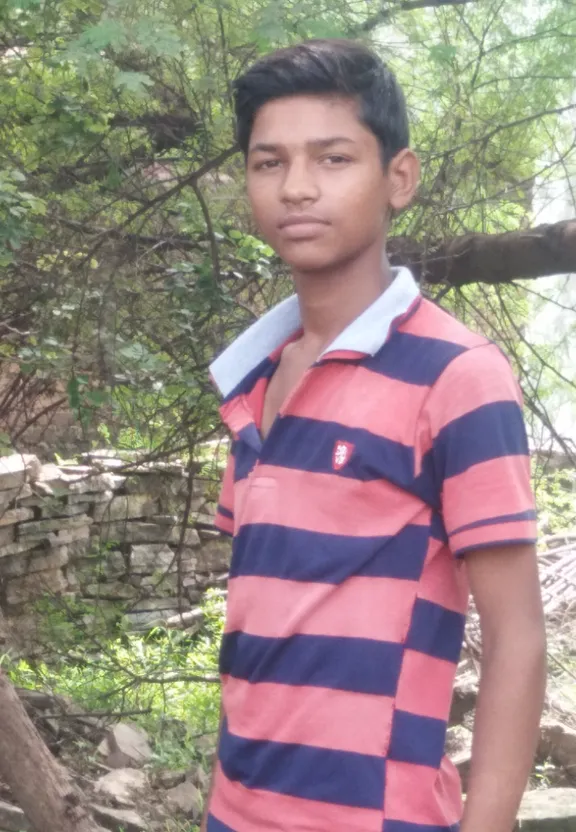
324, 130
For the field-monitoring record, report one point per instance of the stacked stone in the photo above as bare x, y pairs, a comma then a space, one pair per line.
109, 533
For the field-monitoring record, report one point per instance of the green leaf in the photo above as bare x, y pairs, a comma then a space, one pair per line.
135, 82
443, 53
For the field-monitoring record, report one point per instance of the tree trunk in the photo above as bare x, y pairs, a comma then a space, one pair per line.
40, 785
491, 258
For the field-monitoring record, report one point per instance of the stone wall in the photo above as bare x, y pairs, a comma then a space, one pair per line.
109, 533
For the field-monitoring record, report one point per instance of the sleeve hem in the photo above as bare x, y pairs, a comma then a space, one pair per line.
493, 544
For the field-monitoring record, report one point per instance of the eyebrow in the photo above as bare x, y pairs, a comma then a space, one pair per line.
322, 144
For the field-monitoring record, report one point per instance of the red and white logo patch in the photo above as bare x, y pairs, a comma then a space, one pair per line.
341, 455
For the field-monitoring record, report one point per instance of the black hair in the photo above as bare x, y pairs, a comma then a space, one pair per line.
327, 67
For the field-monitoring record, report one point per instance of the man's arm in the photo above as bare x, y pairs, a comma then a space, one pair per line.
505, 586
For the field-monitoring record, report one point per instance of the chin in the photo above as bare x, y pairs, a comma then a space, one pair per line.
310, 261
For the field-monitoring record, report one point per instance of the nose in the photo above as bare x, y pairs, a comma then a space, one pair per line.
299, 185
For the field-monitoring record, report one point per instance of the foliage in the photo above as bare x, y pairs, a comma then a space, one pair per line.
114, 671
128, 254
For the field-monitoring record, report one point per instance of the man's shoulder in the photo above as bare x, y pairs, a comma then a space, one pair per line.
432, 322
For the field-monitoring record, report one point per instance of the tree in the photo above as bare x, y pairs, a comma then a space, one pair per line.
128, 254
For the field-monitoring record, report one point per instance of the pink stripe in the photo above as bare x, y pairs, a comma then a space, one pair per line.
477, 378
375, 608
488, 490
236, 414
324, 718
432, 698
429, 321
224, 524
253, 810
504, 533
345, 394
422, 795
326, 503
444, 580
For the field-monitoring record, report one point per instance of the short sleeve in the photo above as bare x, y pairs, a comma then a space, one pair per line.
224, 519
479, 453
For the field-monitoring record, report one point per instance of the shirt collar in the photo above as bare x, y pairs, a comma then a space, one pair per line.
365, 335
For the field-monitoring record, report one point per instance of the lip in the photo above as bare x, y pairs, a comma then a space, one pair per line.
295, 220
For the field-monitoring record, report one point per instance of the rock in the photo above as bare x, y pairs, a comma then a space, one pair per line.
142, 621
32, 587
61, 509
114, 591
459, 750
19, 548
14, 495
119, 820
99, 483
34, 562
151, 557
115, 563
17, 469
7, 535
125, 507
40, 528
187, 799
73, 535
122, 784
99, 498
12, 819
15, 515
214, 556
463, 701
186, 619
127, 746
150, 604
168, 779
559, 743
548, 810
137, 532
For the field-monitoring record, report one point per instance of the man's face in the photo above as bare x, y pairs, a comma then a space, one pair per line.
318, 190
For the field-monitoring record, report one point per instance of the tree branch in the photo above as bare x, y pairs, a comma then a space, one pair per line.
491, 258
407, 6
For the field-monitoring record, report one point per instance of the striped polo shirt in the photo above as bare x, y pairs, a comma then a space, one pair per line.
402, 449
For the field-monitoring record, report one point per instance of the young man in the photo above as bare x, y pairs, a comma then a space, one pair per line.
379, 470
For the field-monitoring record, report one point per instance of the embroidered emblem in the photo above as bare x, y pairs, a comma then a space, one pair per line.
342, 453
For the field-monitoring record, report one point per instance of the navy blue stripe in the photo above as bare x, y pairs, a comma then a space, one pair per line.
489, 432
273, 551
265, 369
494, 521
354, 664
436, 631
225, 512
245, 458
413, 359
215, 825
340, 777
494, 544
403, 826
308, 445
417, 739
437, 528
250, 436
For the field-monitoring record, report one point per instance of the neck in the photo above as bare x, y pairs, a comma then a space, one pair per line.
330, 301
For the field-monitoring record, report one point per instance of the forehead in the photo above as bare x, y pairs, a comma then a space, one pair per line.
306, 118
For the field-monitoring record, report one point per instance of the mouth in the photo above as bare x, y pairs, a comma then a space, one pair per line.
301, 226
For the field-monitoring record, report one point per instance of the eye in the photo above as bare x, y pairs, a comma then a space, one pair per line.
267, 164
335, 159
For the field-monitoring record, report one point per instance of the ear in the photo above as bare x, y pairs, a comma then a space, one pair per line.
404, 177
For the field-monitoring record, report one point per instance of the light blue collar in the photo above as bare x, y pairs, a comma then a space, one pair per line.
366, 334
